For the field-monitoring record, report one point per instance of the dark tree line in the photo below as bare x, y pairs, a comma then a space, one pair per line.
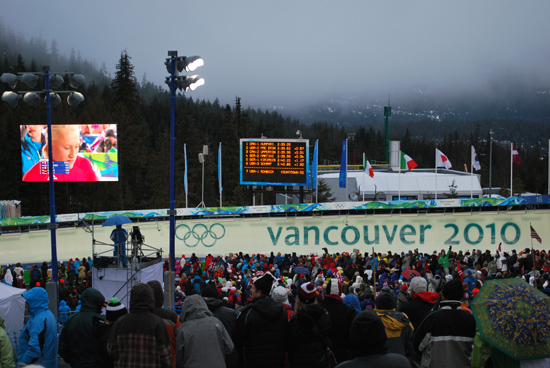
142, 112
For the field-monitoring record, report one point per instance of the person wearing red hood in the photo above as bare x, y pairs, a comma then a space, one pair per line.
420, 303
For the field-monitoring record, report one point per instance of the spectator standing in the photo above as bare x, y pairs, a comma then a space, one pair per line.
119, 236
140, 339
38, 340
341, 317
202, 340
421, 301
368, 344
261, 328
399, 329
226, 315
102, 329
6, 350
309, 328
446, 336
77, 343
44, 271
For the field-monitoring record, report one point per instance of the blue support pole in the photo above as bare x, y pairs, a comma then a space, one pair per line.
173, 55
50, 174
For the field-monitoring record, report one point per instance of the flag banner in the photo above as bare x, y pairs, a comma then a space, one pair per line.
185, 172
367, 167
515, 155
534, 234
475, 160
220, 167
442, 160
407, 162
314, 167
343, 167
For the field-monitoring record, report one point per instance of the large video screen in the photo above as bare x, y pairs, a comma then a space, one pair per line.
274, 162
80, 152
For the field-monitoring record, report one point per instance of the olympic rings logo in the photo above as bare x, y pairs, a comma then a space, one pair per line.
200, 233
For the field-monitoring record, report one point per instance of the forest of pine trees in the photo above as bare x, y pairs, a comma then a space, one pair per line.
142, 112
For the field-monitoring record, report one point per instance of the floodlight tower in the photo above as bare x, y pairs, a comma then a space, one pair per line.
32, 98
174, 65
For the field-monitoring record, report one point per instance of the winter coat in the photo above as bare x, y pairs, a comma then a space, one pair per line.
101, 331
228, 317
77, 343
419, 307
399, 331
260, 333
308, 329
386, 360
201, 340
6, 350
341, 317
447, 332
64, 312
38, 340
140, 339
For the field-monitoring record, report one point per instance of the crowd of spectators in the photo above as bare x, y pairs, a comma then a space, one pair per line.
353, 309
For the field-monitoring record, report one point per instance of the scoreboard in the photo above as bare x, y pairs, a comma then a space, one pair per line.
274, 162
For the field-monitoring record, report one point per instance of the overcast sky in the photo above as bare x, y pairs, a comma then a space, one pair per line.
281, 51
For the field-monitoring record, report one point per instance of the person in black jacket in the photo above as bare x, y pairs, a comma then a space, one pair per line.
309, 328
261, 328
102, 329
341, 317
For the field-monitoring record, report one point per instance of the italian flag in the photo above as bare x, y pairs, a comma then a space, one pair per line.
407, 162
367, 167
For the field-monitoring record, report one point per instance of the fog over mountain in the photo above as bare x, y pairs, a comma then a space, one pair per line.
310, 52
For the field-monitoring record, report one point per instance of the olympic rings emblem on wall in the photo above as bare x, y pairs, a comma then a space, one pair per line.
200, 233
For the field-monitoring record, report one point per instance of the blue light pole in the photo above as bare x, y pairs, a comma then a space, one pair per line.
52, 226
175, 65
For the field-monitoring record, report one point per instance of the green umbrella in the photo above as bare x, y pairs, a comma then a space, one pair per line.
514, 317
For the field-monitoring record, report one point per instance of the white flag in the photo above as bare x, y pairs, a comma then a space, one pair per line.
442, 160
475, 160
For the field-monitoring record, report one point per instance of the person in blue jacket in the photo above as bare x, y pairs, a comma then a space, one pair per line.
38, 340
31, 146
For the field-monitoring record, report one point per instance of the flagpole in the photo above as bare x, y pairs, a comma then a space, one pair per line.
347, 170
511, 168
472, 172
533, 251
364, 167
220, 171
185, 174
399, 176
548, 167
317, 173
436, 173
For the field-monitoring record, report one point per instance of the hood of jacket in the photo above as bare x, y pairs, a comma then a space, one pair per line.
213, 303
194, 307
158, 292
92, 301
311, 315
142, 298
267, 307
427, 296
393, 320
37, 299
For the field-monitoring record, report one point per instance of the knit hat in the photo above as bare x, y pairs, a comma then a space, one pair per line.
334, 287
280, 295
418, 285
307, 293
115, 310
453, 290
448, 278
385, 301
209, 291
367, 334
264, 282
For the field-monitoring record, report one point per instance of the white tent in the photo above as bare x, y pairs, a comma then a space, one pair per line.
12, 308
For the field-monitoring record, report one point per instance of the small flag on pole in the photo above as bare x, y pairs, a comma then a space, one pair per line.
407, 162
534, 235
367, 167
475, 160
220, 168
515, 155
185, 172
442, 160
343, 167
314, 167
